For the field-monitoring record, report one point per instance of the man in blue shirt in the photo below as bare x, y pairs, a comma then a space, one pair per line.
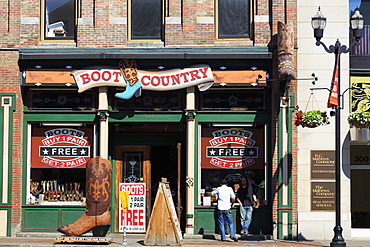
224, 194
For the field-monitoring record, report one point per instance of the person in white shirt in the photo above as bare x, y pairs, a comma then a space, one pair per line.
224, 194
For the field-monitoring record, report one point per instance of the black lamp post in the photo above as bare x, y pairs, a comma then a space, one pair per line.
318, 24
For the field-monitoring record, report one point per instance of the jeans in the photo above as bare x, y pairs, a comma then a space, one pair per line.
224, 216
246, 217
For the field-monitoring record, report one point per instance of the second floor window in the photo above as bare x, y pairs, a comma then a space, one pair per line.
233, 19
146, 19
59, 19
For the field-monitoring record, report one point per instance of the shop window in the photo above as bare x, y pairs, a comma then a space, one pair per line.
146, 19
233, 19
42, 99
233, 100
58, 156
133, 167
59, 19
233, 152
153, 101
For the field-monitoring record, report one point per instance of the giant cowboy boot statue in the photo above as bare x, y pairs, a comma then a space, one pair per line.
98, 188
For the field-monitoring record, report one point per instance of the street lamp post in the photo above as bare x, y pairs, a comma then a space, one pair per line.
318, 24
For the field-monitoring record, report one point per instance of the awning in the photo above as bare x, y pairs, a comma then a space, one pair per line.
156, 53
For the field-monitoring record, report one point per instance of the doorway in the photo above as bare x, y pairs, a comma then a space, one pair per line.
148, 164
360, 202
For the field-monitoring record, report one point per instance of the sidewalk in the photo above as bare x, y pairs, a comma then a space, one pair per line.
137, 240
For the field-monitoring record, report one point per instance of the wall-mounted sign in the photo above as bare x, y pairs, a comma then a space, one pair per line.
135, 216
359, 154
323, 196
60, 147
322, 164
162, 80
232, 148
360, 90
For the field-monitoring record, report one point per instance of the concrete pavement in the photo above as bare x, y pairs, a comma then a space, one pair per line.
137, 240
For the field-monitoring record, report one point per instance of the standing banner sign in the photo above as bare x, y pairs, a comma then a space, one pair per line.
135, 218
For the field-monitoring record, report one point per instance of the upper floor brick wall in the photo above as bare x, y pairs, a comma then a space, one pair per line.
104, 24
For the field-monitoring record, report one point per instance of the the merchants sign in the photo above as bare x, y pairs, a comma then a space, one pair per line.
322, 164
135, 215
60, 148
323, 196
161, 80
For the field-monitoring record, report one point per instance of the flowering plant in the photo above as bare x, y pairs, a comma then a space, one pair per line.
311, 119
359, 119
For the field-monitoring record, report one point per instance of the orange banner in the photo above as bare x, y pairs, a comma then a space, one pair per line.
333, 95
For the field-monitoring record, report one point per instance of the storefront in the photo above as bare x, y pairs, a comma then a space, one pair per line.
213, 124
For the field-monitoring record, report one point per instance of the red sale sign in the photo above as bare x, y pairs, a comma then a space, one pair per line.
134, 219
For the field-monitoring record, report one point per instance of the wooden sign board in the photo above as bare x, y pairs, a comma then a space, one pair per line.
322, 164
323, 196
164, 227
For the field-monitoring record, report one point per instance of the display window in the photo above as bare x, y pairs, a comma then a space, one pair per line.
58, 153
231, 152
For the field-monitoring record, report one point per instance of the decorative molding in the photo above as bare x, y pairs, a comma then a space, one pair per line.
190, 113
30, 20
173, 20
103, 114
261, 18
118, 20
205, 20
85, 21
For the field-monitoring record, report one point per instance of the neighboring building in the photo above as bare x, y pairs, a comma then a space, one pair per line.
182, 127
316, 216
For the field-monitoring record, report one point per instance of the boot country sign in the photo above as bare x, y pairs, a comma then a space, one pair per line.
134, 79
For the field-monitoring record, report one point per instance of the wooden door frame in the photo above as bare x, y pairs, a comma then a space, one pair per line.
146, 150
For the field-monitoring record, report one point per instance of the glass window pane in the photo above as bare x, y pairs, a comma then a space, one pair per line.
133, 167
241, 100
233, 19
146, 19
62, 100
59, 19
153, 101
233, 153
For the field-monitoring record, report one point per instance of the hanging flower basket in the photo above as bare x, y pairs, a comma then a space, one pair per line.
360, 120
311, 119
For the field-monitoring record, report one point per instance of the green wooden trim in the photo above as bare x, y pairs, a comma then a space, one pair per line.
35, 218
280, 223
12, 108
281, 130
230, 117
8, 210
196, 169
113, 190
60, 116
150, 116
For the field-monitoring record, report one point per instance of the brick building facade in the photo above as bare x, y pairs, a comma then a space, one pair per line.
189, 34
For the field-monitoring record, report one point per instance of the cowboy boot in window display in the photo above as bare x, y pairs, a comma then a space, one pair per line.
98, 188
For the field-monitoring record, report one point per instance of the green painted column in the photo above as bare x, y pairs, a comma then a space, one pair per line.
7, 108
284, 209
